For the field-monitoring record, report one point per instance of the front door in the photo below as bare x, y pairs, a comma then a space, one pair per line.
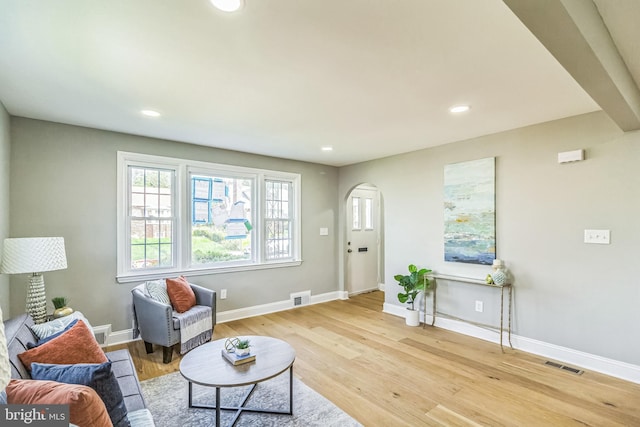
363, 239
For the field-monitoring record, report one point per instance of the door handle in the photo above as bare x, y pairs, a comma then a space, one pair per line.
349, 250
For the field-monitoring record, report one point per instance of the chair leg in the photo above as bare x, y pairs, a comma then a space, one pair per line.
149, 347
167, 354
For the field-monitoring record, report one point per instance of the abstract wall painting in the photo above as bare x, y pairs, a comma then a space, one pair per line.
469, 212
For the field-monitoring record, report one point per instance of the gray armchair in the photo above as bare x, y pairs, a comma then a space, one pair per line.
158, 324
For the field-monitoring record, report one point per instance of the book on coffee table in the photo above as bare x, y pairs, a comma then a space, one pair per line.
234, 359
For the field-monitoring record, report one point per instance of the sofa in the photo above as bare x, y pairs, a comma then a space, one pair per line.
20, 338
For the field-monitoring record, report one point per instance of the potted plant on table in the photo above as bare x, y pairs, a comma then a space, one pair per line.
243, 347
61, 308
412, 284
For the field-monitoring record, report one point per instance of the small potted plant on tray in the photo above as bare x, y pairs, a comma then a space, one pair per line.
412, 284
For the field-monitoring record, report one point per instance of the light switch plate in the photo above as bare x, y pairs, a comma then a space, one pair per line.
324, 231
600, 237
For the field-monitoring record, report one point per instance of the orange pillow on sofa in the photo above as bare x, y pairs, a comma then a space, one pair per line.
77, 345
85, 406
180, 293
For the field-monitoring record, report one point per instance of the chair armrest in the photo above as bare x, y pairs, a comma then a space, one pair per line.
207, 297
155, 319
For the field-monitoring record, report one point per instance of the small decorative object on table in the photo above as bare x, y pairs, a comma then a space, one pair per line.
238, 351
243, 348
61, 308
499, 275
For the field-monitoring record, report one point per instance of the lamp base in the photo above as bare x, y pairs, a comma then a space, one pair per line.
36, 299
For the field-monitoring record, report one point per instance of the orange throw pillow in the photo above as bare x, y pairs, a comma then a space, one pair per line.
77, 345
85, 406
180, 293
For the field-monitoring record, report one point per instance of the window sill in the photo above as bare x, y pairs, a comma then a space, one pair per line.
154, 275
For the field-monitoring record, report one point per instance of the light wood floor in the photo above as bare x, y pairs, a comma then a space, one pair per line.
384, 373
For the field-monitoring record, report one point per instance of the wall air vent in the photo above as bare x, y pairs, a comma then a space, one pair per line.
301, 298
564, 368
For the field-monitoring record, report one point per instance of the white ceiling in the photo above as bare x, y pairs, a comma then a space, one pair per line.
371, 78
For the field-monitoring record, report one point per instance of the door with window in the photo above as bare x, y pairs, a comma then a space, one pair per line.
363, 239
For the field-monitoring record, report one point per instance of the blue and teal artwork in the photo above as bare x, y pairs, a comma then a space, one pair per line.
470, 212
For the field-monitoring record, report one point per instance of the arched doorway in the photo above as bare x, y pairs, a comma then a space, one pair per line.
364, 239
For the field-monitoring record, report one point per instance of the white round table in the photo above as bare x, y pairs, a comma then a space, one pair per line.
206, 366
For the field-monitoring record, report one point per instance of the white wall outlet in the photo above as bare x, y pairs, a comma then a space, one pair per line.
601, 237
479, 306
324, 231
223, 294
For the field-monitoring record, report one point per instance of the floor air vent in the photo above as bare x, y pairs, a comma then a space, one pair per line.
564, 368
301, 298
102, 333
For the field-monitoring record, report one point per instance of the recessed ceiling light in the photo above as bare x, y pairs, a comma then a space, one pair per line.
227, 5
327, 148
150, 113
459, 108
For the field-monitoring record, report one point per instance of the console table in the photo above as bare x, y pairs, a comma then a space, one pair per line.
434, 279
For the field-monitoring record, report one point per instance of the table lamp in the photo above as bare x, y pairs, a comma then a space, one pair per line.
34, 255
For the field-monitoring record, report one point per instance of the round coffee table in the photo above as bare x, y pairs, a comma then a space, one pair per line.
206, 366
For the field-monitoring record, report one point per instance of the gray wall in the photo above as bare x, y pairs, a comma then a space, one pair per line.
567, 293
64, 184
5, 145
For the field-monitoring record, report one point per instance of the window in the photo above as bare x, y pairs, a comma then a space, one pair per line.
177, 216
221, 226
355, 206
151, 217
278, 217
368, 214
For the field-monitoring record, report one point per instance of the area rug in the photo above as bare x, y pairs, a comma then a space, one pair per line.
167, 399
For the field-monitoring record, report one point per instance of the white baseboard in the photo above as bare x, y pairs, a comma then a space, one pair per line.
124, 336
257, 310
120, 337
587, 361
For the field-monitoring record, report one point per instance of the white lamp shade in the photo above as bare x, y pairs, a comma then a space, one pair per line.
33, 255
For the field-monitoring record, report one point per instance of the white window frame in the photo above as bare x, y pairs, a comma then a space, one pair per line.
291, 217
182, 231
367, 212
230, 173
356, 214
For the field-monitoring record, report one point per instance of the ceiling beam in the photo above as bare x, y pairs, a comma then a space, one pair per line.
575, 34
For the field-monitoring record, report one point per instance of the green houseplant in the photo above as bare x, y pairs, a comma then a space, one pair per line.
412, 284
243, 347
60, 305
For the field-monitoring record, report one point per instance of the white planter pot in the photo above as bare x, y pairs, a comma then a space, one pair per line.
242, 351
412, 317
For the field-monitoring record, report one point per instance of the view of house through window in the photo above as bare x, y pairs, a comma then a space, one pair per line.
221, 226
